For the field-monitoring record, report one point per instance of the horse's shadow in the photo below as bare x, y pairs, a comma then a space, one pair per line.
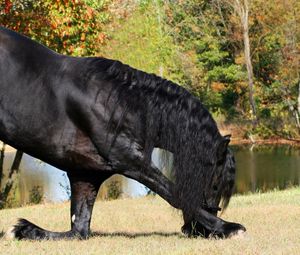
127, 234
135, 235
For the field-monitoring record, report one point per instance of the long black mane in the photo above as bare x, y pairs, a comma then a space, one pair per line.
172, 119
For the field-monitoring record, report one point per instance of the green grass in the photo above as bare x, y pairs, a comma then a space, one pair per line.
150, 226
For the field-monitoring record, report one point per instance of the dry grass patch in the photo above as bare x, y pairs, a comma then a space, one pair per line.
150, 226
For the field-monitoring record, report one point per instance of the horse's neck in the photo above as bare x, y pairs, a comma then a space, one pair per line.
168, 138
171, 137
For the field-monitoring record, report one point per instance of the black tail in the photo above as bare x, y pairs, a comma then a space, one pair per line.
27, 230
24, 229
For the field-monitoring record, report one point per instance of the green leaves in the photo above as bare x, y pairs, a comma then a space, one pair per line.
142, 41
225, 74
196, 43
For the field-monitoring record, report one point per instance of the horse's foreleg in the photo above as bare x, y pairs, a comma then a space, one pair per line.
202, 224
84, 190
155, 180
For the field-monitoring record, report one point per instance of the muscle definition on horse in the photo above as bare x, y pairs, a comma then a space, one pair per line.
95, 117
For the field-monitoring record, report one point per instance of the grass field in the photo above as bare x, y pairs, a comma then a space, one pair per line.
150, 226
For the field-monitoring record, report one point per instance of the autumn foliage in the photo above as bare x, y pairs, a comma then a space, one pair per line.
66, 26
196, 43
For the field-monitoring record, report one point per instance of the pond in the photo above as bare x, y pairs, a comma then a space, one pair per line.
259, 168
262, 168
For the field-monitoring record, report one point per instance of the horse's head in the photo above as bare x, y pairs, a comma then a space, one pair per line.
219, 186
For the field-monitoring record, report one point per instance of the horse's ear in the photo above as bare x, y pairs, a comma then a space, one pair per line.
222, 147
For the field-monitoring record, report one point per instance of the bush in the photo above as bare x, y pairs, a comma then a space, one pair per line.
36, 195
66, 26
114, 190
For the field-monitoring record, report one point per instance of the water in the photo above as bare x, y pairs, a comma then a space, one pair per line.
259, 168
262, 168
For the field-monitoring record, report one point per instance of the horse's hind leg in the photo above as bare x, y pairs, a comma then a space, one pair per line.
84, 191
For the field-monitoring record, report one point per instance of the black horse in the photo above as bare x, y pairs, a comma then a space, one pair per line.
96, 117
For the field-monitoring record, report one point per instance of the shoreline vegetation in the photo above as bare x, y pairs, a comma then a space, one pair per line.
235, 140
149, 225
240, 137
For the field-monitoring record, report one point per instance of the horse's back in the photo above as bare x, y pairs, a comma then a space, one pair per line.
20, 46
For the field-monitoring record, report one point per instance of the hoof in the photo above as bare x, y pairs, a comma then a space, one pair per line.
240, 234
229, 230
233, 229
10, 235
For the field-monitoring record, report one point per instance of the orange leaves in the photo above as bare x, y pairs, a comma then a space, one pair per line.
82, 38
102, 37
90, 12
217, 86
8, 5
54, 25
64, 44
66, 26
240, 60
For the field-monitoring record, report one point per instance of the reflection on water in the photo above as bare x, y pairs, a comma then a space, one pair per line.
258, 168
266, 167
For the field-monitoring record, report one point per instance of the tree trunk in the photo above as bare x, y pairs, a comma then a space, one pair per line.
292, 108
1, 162
158, 11
15, 167
250, 72
10, 181
243, 10
297, 112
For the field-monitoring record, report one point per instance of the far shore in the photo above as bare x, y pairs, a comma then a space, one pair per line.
238, 137
273, 141
234, 141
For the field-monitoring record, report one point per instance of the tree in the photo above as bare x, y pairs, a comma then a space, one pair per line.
8, 187
2, 151
200, 30
275, 36
14, 170
71, 27
241, 8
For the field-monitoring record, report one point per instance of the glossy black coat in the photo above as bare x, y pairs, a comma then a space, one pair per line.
95, 117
